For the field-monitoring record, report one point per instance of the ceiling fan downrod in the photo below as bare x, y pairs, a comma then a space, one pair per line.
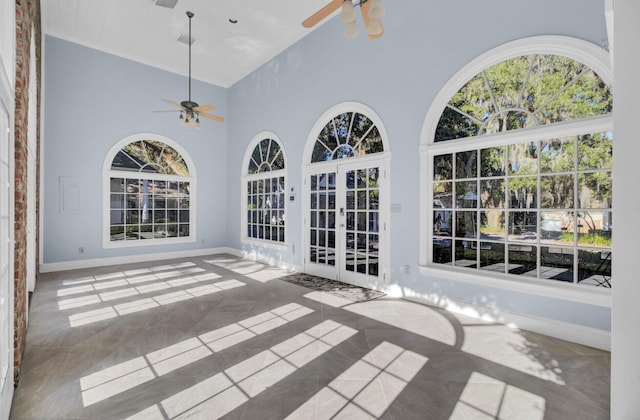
189, 104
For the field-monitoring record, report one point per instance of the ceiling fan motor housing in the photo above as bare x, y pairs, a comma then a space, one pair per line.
189, 104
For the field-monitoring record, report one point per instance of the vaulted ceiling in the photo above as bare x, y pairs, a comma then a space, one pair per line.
222, 53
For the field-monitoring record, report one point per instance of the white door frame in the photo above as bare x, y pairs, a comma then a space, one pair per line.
338, 272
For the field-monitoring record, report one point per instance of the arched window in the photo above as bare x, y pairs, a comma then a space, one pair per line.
150, 192
348, 134
520, 161
264, 183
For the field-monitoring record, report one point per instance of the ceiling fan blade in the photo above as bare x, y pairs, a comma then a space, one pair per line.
364, 9
211, 117
169, 101
204, 108
312, 20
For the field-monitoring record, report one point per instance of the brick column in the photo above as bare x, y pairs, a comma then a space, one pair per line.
28, 22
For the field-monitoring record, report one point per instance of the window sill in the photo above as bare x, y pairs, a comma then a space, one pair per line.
264, 243
571, 292
147, 242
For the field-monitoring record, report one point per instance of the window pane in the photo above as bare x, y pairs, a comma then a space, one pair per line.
442, 221
557, 227
117, 185
492, 257
595, 190
466, 194
492, 225
442, 251
117, 201
522, 192
492, 194
117, 233
595, 151
467, 164
466, 253
556, 191
133, 216
556, 263
443, 167
465, 224
594, 228
557, 155
594, 267
523, 226
117, 217
523, 260
442, 195
523, 158
492, 161
133, 185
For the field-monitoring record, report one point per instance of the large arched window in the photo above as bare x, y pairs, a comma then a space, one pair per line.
518, 164
264, 184
150, 187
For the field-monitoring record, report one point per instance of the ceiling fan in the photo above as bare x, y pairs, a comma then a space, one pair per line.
190, 111
371, 11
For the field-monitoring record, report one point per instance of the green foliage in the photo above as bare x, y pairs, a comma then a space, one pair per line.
523, 92
594, 239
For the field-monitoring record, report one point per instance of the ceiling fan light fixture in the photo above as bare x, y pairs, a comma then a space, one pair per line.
347, 14
376, 11
351, 30
375, 27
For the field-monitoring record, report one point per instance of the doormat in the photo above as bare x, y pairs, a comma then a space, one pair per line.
337, 288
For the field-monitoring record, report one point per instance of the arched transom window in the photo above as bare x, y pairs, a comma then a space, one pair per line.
265, 186
523, 92
150, 194
531, 194
349, 134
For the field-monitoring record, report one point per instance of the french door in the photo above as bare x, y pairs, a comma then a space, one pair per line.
346, 221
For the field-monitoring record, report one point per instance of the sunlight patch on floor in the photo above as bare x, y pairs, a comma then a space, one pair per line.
367, 388
89, 317
114, 380
225, 391
485, 397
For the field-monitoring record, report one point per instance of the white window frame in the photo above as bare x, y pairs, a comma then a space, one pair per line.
246, 177
108, 173
579, 50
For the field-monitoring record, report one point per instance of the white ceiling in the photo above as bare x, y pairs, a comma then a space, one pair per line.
222, 53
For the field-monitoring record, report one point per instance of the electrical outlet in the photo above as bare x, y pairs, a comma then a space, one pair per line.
81, 250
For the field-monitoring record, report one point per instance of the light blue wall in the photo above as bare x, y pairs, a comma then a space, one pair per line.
398, 76
93, 100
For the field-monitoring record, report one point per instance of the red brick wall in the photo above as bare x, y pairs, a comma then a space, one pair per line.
27, 21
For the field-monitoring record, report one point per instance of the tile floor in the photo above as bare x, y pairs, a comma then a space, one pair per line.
219, 336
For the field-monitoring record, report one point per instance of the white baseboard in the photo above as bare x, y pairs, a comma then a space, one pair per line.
580, 334
102, 262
